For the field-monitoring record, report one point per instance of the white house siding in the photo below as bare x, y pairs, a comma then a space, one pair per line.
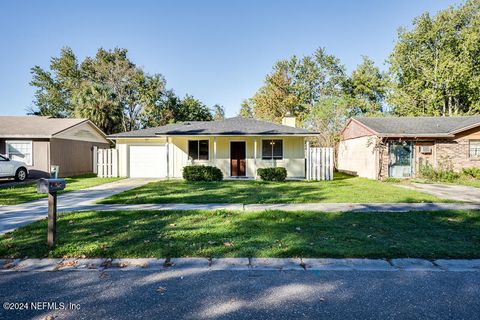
293, 154
359, 156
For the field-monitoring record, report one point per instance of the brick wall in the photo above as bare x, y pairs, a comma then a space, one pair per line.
383, 158
454, 153
451, 153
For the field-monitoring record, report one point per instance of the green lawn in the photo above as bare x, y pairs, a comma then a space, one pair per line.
27, 192
448, 234
343, 188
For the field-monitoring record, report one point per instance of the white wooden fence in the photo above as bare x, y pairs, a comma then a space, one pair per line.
319, 163
105, 162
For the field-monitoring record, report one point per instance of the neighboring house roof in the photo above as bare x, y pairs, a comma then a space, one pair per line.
227, 127
419, 126
37, 126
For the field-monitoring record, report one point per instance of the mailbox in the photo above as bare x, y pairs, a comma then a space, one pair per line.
50, 185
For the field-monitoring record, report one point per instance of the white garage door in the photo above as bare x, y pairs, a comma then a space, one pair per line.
148, 161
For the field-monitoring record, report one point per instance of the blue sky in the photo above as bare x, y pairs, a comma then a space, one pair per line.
218, 51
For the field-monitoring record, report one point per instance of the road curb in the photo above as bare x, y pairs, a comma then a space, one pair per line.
239, 264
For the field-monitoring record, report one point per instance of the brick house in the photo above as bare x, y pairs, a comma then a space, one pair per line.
400, 147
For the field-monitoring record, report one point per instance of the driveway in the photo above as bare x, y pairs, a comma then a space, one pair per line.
447, 191
194, 294
12, 217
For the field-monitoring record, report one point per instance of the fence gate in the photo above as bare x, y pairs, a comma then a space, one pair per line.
105, 162
319, 163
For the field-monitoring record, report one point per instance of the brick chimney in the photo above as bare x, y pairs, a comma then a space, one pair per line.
289, 120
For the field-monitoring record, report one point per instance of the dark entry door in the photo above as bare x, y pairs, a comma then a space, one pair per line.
237, 158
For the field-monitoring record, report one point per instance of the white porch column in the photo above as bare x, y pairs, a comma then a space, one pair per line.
255, 158
309, 161
214, 151
168, 157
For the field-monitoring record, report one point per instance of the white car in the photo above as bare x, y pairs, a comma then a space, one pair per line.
13, 169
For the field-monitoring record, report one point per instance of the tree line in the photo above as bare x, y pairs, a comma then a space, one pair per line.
433, 70
113, 92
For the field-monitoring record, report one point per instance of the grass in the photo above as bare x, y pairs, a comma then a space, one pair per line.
343, 188
27, 192
445, 234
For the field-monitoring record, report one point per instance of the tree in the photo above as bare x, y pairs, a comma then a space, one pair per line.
435, 66
275, 98
314, 88
218, 112
55, 87
191, 109
246, 109
368, 87
111, 91
98, 104
328, 116
296, 85
132, 88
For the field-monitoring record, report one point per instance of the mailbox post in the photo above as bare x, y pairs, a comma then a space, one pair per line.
51, 186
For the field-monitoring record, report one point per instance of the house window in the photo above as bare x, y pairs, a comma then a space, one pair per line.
474, 150
20, 151
198, 149
272, 149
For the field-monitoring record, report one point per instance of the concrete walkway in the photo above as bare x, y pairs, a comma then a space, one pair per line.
217, 264
447, 191
319, 207
12, 217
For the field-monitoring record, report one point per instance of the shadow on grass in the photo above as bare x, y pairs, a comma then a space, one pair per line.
445, 234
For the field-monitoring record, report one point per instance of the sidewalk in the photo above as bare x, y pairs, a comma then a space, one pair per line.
12, 217
239, 264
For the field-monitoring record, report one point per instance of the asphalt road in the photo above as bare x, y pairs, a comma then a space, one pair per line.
199, 294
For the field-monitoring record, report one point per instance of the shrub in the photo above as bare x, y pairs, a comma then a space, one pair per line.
471, 172
392, 180
439, 174
202, 173
272, 174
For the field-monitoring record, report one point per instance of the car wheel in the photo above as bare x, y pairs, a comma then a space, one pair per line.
21, 174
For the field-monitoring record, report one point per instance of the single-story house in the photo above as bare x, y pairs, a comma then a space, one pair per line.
238, 146
41, 142
399, 147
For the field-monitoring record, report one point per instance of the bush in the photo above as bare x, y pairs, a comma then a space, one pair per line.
440, 174
471, 172
392, 180
202, 173
272, 174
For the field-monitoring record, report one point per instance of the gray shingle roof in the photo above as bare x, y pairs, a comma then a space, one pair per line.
419, 126
34, 126
229, 126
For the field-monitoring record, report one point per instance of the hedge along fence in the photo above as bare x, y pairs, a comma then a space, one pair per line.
202, 173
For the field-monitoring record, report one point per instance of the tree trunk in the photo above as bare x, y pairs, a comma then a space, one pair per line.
450, 105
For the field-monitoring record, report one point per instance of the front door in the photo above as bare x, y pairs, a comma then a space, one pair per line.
400, 159
237, 158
